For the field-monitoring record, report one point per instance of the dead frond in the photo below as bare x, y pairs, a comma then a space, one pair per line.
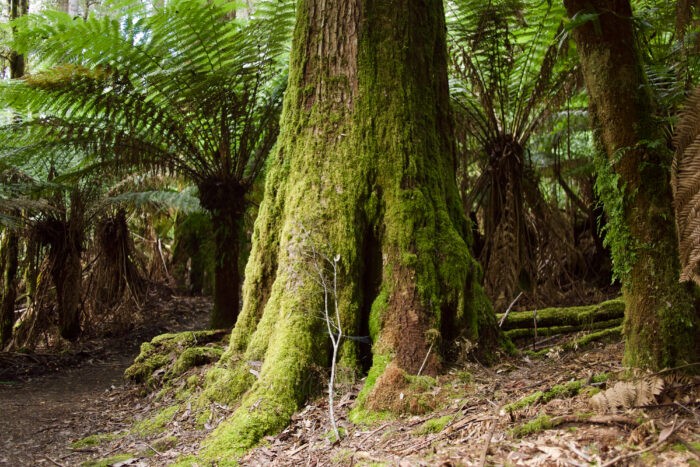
685, 180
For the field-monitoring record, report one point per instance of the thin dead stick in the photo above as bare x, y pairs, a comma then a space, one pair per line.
482, 460
505, 315
425, 360
53, 461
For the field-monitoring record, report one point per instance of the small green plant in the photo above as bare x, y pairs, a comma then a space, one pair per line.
541, 423
434, 425
157, 423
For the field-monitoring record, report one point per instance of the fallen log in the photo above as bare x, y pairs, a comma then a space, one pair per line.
582, 317
554, 330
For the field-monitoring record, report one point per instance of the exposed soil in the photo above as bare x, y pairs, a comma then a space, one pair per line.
44, 414
50, 400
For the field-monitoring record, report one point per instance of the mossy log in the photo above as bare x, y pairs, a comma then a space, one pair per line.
582, 317
169, 355
554, 330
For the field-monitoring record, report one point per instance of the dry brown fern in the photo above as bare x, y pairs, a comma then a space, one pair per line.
628, 394
685, 180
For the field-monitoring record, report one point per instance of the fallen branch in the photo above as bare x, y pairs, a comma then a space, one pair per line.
489, 436
571, 316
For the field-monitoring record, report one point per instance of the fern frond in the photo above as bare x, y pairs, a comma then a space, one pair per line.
685, 182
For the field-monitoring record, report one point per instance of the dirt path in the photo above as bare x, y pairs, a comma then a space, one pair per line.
41, 416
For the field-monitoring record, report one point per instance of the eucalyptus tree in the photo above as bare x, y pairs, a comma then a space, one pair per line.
661, 325
9, 245
183, 88
510, 75
363, 179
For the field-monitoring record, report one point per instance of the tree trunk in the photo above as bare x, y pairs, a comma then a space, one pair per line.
227, 276
363, 174
661, 322
9, 255
66, 245
9, 251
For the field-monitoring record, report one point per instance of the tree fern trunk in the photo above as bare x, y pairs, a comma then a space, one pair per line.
364, 172
227, 277
661, 321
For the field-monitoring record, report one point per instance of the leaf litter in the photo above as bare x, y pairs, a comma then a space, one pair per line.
657, 425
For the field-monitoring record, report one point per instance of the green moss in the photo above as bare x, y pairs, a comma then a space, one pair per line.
379, 364
186, 461
465, 377
156, 423
93, 440
108, 461
169, 355
192, 357
203, 418
541, 423
559, 391
524, 402
379, 306
434, 425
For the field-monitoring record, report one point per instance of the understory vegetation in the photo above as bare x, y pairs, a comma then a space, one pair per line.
380, 199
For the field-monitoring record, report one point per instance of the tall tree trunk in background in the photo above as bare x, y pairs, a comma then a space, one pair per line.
363, 174
9, 255
10, 241
661, 322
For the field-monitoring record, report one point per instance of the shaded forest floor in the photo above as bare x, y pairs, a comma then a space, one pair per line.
85, 414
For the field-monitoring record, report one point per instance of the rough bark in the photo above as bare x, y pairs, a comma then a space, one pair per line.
227, 276
10, 243
661, 322
364, 172
9, 259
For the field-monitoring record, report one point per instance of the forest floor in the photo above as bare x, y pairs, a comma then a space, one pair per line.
525, 410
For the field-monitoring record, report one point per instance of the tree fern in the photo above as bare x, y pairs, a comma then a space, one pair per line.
509, 77
183, 89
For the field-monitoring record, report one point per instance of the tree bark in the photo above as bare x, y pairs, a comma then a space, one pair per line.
10, 242
363, 173
9, 256
227, 276
661, 322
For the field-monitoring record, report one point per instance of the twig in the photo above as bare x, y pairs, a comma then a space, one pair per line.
505, 315
153, 449
482, 460
425, 360
595, 420
373, 432
53, 461
534, 338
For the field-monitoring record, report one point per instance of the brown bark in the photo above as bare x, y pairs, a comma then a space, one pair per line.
364, 174
227, 276
661, 324
9, 254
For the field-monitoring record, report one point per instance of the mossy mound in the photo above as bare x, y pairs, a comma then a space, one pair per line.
168, 356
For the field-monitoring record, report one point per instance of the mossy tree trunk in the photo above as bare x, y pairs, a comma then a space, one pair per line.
661, 322
364, 172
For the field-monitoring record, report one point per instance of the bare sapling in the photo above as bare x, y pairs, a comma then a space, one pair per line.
322, 265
